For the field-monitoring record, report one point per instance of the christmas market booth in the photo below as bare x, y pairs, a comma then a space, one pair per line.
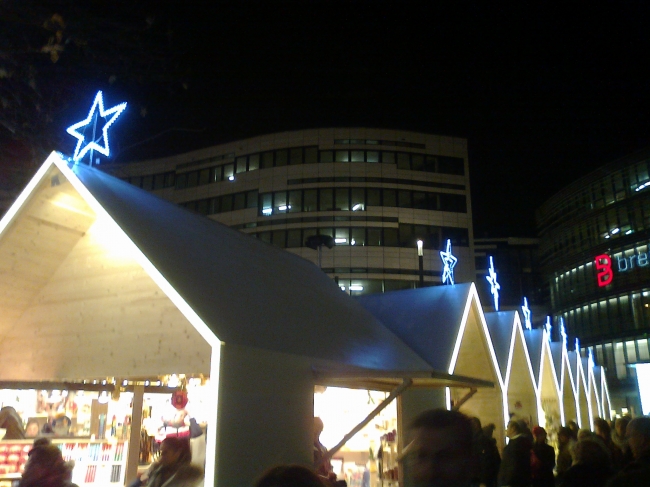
111, 295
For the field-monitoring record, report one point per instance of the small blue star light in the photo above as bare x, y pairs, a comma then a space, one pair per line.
494, 285
563, 332
548, 327
94, 142
448, 262
526, 310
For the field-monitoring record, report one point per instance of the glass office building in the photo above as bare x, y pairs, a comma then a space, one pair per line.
375, 192
594, 256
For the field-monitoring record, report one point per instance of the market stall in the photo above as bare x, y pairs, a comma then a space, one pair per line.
584, 414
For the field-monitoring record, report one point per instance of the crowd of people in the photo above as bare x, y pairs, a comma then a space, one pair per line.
450, 449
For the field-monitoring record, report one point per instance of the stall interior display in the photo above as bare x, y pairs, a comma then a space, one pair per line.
369, 458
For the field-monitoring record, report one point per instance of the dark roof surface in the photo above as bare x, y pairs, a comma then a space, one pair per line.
534, 340
500, 325
426, 319
248, 292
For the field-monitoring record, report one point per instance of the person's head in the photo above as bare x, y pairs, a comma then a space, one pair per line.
539, 434
621, 426
591, 452
441, 452
476, 425
32, 429
573, 426
318, 427
175, 451
638, 436
514, 429
602, 429
585, 434
564, 435
45, 466
289, 476
488, 430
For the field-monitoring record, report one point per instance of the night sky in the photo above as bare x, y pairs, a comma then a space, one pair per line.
543, 93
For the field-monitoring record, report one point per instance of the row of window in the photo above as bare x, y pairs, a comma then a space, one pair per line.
362, 179
294, 156
619, 315
357, 199
616, 186
313, 219
358, 287
395, 143
613, 224
223, 203
406, 236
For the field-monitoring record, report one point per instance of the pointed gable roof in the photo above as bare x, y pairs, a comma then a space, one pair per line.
245, 291
427, 319
501, 326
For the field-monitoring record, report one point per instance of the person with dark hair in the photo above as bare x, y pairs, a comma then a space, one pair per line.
440, 454
173, 468
565, 451
515, 461
618, 437
574, 428
486, 455
290, 476
10, 421
544, 455
604, 432
45, 467
591, 465
636, 473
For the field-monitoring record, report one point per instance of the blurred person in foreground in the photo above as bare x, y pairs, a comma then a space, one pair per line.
542, 470
45, 467
604, 432
174, 467
636, 473
591, 465
515, 462
440, 454
10, 421
565, 452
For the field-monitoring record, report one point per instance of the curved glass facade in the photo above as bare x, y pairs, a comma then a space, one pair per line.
594, 244
376, 192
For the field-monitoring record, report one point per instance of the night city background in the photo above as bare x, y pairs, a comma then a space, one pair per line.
543, 93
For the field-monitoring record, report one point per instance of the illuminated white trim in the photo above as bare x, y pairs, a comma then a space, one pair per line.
592, 389
584, 390
55, 159
213, 420
472, 297
448, 398
605, 391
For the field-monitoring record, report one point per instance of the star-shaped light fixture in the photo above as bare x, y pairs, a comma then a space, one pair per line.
94, 141
448, 262
526, 310
548, 327
563, 332
494, 285
578, 346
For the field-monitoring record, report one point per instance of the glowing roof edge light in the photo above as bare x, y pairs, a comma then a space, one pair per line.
494, 284
518, 328
449, 262
113, 112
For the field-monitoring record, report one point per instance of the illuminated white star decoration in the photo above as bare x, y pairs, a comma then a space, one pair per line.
494, 285
548, 327
526, 310
591, 358
448, 262
95, 142
563, 332
577, 346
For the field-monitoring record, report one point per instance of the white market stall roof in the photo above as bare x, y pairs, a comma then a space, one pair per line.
246, 292
535, 343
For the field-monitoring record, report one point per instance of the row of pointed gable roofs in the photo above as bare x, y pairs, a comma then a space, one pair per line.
249, 293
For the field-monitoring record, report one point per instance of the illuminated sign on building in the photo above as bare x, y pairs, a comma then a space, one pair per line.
605, 273
95, 141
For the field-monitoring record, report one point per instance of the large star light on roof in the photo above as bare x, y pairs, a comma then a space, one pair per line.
448, 262
94, 141
526, 310
494, 284
548, 327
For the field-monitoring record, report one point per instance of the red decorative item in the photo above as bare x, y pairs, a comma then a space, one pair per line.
179, 399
